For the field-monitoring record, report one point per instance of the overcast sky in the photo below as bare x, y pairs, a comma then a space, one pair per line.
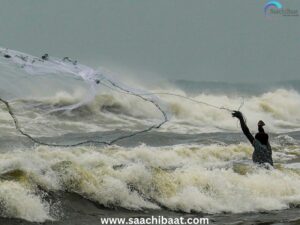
210, 40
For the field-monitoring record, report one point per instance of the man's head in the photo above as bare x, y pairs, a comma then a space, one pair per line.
261, 135
260, 125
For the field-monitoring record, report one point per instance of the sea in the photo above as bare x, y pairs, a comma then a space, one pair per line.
181, 153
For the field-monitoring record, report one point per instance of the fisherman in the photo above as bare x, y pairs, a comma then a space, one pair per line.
45, 57
262, 149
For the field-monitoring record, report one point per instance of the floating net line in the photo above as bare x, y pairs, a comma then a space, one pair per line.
47, 65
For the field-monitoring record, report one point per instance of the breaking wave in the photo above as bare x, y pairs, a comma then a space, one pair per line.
279, 109
55, 97
189, 178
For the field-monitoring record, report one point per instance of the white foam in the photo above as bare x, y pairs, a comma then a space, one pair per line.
17, 201
212, 179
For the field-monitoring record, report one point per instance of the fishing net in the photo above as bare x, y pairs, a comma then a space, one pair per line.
60, 102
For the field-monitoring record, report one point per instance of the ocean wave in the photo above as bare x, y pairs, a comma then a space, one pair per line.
188, 178
55, 97
18, 201
280, 110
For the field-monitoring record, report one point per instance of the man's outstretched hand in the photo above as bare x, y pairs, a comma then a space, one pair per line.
237, 114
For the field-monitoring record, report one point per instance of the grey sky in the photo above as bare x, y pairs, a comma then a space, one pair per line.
219, 40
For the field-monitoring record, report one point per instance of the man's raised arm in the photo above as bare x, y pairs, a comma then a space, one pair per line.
244, 127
